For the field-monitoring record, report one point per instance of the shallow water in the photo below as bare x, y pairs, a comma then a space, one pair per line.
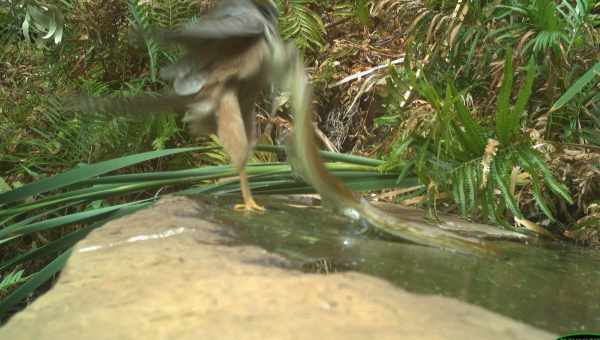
552, 286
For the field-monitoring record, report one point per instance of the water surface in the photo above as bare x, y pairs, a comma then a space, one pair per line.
552, 286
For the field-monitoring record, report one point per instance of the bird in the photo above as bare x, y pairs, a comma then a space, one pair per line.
304, 158
217, 82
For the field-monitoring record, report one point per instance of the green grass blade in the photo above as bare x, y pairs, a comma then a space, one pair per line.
18, 229
81, 195
11, 279
405, 171
70, 239
35, 281
82, 173
42, 214
328, 156
51, 248
162, 175
287, 183
577, 87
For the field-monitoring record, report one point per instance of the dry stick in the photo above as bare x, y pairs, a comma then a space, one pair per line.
326, 141
361, 74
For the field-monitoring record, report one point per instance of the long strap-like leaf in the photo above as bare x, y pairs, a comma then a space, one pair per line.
82, 173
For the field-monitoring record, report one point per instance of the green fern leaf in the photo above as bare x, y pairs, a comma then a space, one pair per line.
455, 189
502, 184
549, 178
471, 184
539, 198
361, 11
577, 87
169, 13
474, 133
461, 192
504, 128
489, 206
141, 21
524, 93
300, 23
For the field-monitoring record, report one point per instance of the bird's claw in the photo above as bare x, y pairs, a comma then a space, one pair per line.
249, 207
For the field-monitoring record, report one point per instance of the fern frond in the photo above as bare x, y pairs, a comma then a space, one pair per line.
524, 92
361, 11
535, 160
539, 197
455, 189
474, 133
504, 127
302, 24
140, 18
470, 185
502, 184
462, 202
489, 206
169, 13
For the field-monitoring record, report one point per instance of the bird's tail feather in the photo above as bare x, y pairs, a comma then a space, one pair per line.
129, 106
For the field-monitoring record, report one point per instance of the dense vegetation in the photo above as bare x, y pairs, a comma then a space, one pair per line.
487, 109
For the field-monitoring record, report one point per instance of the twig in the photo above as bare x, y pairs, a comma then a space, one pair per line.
323, 137
367, 72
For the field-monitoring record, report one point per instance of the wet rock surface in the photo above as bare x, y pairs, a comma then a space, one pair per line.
166, 273
452, 223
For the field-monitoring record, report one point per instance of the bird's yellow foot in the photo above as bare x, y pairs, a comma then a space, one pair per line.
249, 203
249, 207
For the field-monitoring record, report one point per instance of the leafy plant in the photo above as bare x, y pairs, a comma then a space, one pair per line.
579, 107
11, 279
47, 20
480, 167
170, 13
140, 19
299, 22
36, 20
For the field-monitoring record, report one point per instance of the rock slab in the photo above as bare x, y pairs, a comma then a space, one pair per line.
165, 273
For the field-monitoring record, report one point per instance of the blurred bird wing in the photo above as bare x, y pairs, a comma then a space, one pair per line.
243, 66
139, 105
219, 62
222, 28
232, 19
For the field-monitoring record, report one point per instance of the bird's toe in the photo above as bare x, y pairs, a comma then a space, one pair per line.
249, 207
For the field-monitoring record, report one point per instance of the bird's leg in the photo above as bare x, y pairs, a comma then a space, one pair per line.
249, 203
232, 133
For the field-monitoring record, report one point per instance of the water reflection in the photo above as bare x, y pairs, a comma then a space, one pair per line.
551, 286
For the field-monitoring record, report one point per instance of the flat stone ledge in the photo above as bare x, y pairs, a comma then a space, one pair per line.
165, 273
